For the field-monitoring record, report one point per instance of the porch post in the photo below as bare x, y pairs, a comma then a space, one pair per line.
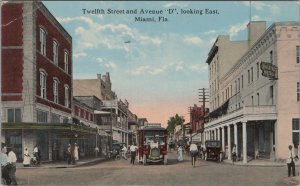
223, 139
244, 142
217, 133
229, 142
235, 137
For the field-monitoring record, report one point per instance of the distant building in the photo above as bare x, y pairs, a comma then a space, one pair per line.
100, 87
154, 125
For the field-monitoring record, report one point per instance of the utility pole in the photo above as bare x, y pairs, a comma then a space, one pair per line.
203, 98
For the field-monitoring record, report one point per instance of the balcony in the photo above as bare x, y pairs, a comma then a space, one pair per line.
246, 113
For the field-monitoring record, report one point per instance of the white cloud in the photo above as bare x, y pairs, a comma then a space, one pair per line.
194, 40
148, 39
235, 29
140, 70
210, 32
78, 55
107, 63
198, 67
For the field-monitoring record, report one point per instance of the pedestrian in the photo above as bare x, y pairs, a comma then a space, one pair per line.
69, 154
76, 152
12, 160
72, 154
233, 153
133, 149
179, 152
4, 165
54, 151
291, 161
36, 154
96, 151
124, 151
26, 159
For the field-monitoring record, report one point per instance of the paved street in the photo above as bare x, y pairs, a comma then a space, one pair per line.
122, 173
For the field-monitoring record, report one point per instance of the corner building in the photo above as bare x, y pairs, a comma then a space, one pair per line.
36, 76
257, 113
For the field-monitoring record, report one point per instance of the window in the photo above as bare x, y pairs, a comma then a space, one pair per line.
242, 81
251, 74
298, 91
55, 52
239, 84
43, 41
14, 115
55, 91
257, 98
230, 90
55, 118
236, 88
43, 84
257, 70
298, 54
66, 61
66, 96
296, 130
271, 57
42, 116
272, 94
252, 100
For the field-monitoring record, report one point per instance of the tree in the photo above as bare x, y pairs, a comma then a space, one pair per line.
173, 122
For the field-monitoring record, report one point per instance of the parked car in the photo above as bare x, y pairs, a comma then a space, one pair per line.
213, 150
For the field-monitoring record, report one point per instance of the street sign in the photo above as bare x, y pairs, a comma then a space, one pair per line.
269, 70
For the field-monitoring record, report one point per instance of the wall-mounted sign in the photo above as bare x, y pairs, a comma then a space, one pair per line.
269, 70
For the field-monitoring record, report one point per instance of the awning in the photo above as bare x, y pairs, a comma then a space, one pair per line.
47, 126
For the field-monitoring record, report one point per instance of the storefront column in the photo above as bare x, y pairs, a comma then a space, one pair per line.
229, 142
235, 137
244, 142
223, 139
217, 133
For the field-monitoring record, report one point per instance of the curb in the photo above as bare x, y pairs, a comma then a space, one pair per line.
44, 166
254, 165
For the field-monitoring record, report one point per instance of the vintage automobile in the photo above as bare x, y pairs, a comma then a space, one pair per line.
152, 145
213, 150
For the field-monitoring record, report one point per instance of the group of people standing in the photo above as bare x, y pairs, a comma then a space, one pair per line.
133, 149
72, 153
8, 165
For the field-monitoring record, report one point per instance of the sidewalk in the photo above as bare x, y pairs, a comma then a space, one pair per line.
260, 163
64, 164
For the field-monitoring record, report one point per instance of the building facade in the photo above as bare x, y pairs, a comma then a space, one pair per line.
258, 113
37, 82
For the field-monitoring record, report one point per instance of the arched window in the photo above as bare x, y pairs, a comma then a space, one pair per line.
55, 52
66, 61
43, 41
55, 90
43, 86
67, 97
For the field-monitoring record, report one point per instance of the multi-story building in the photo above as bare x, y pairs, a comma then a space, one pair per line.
37, 87
37, 81
114, 112
100, 87
255, 100
197, 122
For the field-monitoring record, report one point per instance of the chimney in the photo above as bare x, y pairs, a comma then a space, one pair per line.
255, 30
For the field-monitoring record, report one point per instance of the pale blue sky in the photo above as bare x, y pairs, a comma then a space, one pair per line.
163, 67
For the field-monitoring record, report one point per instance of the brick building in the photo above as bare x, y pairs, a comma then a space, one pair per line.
36, 79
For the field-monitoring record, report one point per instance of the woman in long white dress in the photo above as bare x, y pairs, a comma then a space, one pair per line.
180, 150
76, 155
26, 161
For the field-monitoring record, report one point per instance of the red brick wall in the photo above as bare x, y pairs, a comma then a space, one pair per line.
12, 59
47, 64
12, 24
